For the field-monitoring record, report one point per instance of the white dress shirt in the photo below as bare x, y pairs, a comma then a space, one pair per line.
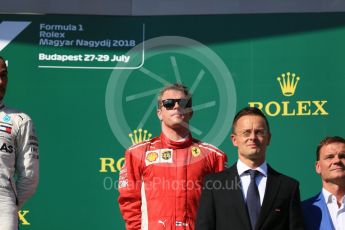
337, 213
260, 179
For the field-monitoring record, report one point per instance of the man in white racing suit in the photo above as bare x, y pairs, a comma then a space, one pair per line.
18, 159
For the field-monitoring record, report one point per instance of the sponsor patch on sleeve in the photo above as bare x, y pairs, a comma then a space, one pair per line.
123, 178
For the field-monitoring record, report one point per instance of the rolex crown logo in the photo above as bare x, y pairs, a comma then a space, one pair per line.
288, 83
139, 136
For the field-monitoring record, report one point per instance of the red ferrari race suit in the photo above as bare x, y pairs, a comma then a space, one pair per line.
161, 182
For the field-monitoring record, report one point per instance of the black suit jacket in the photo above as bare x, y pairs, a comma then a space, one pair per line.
222, 205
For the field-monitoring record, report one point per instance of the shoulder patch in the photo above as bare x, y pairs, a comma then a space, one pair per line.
144, 143
211, 148
138, 145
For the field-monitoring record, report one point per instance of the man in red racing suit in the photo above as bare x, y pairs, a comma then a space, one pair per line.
161, 181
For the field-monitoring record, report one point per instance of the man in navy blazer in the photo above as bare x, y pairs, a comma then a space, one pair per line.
227, 198
326, 210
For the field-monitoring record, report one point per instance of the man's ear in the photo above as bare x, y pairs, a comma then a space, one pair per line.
317, 167
233, 139
159, 113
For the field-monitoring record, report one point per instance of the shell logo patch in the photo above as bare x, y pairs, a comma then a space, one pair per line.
195, 151
151, 156
159, 156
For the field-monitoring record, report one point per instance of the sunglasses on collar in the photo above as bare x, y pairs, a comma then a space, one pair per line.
170, 103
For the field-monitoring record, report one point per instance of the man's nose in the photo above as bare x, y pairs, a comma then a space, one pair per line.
336, 159
176, 105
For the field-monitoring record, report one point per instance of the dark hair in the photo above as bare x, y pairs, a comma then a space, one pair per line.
3, 59
327, 141
5, 69
249, 111
176, 86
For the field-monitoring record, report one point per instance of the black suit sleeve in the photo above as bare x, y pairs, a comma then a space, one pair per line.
296, 216
206, 212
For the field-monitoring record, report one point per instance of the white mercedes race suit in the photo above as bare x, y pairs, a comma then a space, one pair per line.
18, 159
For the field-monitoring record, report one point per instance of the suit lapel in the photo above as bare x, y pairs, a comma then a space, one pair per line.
326, 222
237, 196
272, 188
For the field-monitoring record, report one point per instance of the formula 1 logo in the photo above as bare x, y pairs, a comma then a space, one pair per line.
9, 30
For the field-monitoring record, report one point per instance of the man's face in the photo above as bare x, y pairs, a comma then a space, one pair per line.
331, 163
176, 116
3, 78
251, 137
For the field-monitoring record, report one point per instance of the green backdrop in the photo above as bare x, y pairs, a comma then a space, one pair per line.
89, 81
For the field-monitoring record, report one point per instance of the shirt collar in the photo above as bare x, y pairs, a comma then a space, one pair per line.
329, 196
242, 168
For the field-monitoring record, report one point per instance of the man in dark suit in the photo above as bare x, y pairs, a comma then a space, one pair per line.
250, 194
326, 210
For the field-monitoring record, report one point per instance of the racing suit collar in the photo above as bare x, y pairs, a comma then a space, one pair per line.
176, 144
